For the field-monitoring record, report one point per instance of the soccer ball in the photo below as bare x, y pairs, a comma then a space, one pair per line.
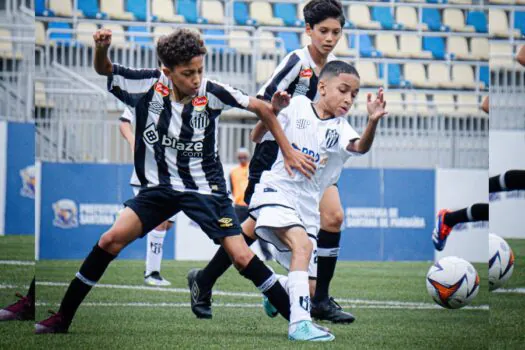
452, 282
501, 261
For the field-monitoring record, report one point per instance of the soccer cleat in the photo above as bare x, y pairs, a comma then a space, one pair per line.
22, 310
330, 310
308, 331
200, 298
441, 231
269, 309
54, 324
155, 279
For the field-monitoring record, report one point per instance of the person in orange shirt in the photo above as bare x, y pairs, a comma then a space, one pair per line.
239, 182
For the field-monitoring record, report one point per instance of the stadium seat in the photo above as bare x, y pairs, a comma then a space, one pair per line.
85, 32
61, 8
138, 9
287, 12
411, 46
432, 18
479, 48
359, 15
366, 48
501, 54
484, 76
188, 9
165, 12
219, 44
444, 103
395, 78
499, 25
460, 2
265, 68
437, 1
417, 102
415, 74
407, 16
90, 9
464, 74
384, 16
141, 40
436, 45
115, 10
478, 20
439, 76
291, 40
159, 31
6, 47
468, 103
368, 73
241, 15
41, 100
213, 11
118, 39
342, 48
502, 2
240, 41
455, 20
62, 38
458, 46
267, 43
42, 10
263, 14
387, 44
40, 33
395, 102
519, 21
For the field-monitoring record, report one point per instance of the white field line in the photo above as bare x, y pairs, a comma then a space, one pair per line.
17, 262
511, 290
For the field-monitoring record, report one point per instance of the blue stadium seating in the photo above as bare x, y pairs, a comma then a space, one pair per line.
436, 45
219, 45
42, 10
478, 19
138, 8
437, 1
432, 18
484, 75
395, 78
242, 15
519, 21
188, 9
384, 16
65, 39
291, 40
366, 48
90, 9
142, 40
288, 13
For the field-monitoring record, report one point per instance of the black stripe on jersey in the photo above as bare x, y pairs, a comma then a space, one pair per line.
141, 117
124, 120
131, 99
293, 85
160, 155
183, 162
222, 94
312, 89
211, 164
135, 74
272, 87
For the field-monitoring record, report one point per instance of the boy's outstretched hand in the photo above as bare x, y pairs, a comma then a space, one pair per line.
376, 108
280, 100
102, 38
299, 161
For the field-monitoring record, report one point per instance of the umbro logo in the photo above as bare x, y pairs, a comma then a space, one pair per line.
155, 107
302, 123
195, 292
225, 222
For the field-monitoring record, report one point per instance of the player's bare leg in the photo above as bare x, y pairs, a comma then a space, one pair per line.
125, 230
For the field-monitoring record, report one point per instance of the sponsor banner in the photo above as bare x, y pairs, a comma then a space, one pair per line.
20, 179
457, 189
388, 214
79, 202
507, 208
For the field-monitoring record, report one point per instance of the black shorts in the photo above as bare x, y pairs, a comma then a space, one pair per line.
213, 213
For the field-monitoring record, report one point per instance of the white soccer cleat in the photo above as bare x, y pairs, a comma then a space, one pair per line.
156, 280
308, 331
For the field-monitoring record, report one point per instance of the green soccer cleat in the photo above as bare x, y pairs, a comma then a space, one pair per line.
307, 331
269, 309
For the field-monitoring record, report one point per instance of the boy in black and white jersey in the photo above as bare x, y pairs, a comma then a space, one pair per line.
177, 163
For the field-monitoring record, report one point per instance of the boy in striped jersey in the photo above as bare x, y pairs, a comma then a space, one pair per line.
296, 75
177, 163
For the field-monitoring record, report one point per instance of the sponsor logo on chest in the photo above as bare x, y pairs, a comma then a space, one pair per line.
162, 89
302, 123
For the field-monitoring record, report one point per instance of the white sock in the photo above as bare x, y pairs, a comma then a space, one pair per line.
283, 280
299, 293
154, 250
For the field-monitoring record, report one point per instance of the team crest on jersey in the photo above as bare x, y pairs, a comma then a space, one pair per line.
199, 120
66, 214
162, 89
306, 73
332, 136
199, 103
302, 123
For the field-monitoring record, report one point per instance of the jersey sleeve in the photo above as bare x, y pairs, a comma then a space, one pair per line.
348, 134
284, 75
128, 116
223, 96
129, 85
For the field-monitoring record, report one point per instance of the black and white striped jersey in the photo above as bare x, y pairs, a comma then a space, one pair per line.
175, 144
295, 75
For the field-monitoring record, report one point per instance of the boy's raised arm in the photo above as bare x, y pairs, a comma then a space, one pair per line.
102, 63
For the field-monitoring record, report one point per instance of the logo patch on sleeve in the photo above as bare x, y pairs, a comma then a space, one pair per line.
225, 222
199, 103
306, 73
162, 89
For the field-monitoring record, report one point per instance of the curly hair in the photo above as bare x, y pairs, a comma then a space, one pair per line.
179, 47
317, 11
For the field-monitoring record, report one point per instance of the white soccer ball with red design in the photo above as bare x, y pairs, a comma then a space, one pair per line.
452, 282
501, 262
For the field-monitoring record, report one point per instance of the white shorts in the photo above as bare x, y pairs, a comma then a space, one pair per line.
284, 259
136, 191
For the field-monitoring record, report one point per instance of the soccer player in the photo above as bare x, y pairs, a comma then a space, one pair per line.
286, 209
154, 247
177, 163
297, 75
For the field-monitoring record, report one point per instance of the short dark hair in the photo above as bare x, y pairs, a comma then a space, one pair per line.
334, 68
179, 47
317, 11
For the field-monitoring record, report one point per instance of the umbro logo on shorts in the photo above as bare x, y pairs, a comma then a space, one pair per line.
225, 222
302, 123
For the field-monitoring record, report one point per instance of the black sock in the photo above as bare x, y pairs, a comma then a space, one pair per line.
266, 281
217, 266
31, 291
327, 253
476, 212
90, 272
509, 181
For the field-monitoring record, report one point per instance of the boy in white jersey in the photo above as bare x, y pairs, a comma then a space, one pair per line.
286, 209
154, 246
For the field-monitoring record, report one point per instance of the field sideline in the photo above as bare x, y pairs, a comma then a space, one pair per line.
390, 302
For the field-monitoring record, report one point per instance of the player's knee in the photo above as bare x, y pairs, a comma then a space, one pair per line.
111, 243
162, 227
303, 248
332, 220
241, 259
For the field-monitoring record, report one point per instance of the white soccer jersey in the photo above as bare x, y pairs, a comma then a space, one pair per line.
295, 75
175, 144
